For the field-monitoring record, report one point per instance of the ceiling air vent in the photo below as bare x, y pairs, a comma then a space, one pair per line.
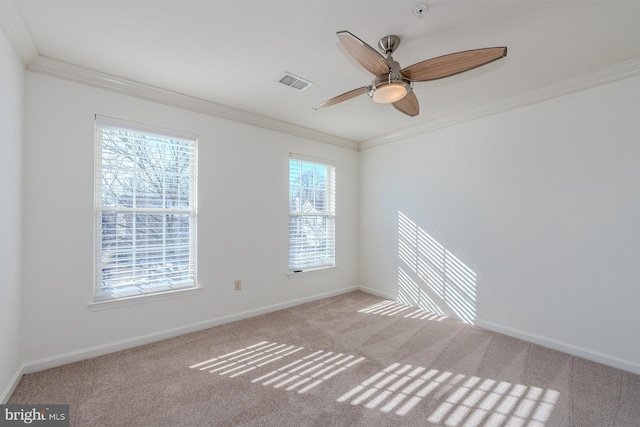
295, 82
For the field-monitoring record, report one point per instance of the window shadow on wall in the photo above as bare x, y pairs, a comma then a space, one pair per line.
431, 277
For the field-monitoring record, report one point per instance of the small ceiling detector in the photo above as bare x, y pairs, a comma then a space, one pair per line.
420, 10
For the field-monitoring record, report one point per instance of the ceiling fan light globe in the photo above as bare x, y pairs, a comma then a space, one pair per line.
389, 93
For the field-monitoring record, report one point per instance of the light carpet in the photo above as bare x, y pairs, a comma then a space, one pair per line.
351, 360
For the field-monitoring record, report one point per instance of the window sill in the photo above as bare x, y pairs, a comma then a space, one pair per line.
311, 271
141, 299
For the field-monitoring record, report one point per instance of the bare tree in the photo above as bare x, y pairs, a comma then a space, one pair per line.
145, 185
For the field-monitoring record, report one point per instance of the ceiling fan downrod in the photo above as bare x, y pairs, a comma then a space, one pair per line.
389, 44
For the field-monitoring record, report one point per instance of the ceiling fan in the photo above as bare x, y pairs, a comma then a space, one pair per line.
393, 85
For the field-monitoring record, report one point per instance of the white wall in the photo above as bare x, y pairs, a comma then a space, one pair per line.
242, 229
536, 212
11, 143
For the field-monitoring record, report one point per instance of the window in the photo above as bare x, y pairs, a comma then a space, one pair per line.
312, 216
145, 207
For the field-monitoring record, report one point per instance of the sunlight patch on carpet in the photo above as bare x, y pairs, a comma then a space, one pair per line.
247, 359
462, 400
398, 309
310, 371
312, 368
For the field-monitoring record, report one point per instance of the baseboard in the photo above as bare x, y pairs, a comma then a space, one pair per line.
6, 394
594, 356
75, 356
376, 292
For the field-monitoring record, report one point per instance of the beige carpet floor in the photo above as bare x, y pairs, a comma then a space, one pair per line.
351, 360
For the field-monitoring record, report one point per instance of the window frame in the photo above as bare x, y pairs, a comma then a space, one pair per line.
148, 289
329, 215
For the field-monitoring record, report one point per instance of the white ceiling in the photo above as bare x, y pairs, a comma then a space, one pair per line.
234, 52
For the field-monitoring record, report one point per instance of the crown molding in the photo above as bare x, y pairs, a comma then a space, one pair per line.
618, 71
13, 26
53, 67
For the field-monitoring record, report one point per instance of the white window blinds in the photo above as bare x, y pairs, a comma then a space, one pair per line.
311, 214
145, 204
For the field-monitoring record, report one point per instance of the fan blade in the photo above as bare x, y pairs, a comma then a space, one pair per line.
367, 56
454, 63
408, 105
344, 97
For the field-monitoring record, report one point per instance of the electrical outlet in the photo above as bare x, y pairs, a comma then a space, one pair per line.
237, 285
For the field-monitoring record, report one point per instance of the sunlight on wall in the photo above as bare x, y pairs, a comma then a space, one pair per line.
469, 401
430, 276
395, 308
311, 369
